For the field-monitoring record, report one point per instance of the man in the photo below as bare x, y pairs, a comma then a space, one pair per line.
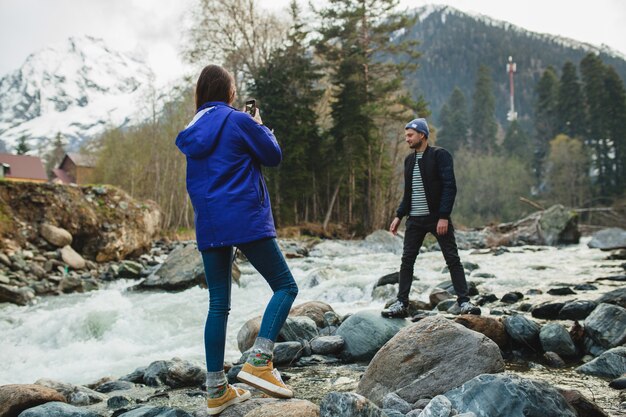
429, 192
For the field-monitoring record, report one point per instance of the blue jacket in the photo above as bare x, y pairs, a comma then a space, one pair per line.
225, 149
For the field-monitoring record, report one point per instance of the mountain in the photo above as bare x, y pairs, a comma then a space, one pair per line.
77, 88
454, 44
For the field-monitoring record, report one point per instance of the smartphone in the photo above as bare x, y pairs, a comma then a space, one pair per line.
251, 107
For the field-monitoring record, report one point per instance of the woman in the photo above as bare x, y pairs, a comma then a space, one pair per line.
225, 149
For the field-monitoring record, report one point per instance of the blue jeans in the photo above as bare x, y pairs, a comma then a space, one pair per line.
266, 257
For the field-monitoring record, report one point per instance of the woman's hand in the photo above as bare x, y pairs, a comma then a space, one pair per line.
257, 116
393, 228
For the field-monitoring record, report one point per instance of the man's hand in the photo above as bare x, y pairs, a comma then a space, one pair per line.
394, 226
442, 227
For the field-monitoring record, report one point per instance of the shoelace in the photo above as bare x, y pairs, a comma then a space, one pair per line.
277, 375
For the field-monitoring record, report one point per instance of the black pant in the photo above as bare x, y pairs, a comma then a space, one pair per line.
416, 229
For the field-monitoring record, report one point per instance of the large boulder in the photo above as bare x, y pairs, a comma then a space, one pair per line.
605, 328
267, 407
435, 355
522, 330
555, 338
553, 226
16, 295
611, 364
56, 236
365, 332
182, 269
72, 258
314, 310
489, 326
58, 409
577, 310
248, 333
348, 404
297, 328
617, 297
384, 241
608, 239
16, 398
75, 394
509, 395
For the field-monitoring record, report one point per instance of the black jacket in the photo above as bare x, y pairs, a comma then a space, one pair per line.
437, 172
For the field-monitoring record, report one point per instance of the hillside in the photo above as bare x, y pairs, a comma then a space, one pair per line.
454, 44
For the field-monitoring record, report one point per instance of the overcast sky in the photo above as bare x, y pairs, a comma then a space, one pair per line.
154, 28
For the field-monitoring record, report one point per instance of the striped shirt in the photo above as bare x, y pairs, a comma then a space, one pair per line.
419, 205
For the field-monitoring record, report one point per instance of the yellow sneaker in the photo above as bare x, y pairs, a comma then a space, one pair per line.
232, 396
265, 378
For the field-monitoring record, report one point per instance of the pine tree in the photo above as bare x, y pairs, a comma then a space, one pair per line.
517, 143
285, 89
453, 133
22, 147
368, 99
546, 119
571, 105
55, 157
483, 123
616, 125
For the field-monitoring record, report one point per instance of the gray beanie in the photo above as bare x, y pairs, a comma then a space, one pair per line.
419, 125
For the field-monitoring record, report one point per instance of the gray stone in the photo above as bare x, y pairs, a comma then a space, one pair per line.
5, 260
156, 373
561, 291
388, 279
427, 359
326, 345
468, 414
55, 235
348, 404
447, 305
148, 411
331, 319
555, 338
605, 328
522, 330
269, 407
182, 269
16, 295
617, 297
298, 328
394, 402
392, 413
385, 292
248, 333
114, 386
136, 376
365, 332
182, 373
118, 401
438, 295
439, 406
608, 239
57, 409
68, 389
317, 360
577, 310
548, 310
287, 352
130, 269
71, 284
79, 398
414, 413
511, 297
553, 360
610, 364
72, 258
509, 395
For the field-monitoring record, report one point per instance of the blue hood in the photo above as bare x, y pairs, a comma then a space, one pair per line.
200, 138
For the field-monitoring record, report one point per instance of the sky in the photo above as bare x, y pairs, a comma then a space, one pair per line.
154, 29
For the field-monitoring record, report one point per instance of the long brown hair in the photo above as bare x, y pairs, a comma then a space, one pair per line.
214, 84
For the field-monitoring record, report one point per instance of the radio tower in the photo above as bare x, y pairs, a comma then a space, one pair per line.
511, 68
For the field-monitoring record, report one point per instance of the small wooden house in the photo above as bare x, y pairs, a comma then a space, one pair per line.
22, 168
75, 168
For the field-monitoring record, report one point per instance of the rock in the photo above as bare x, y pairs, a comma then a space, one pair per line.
71, 284
561, 291
449, 306
582, 405
617, 297
314, 310
486, 299
5, 260
72, 258
57, 409
317, 360
522, 330
248, 333
130, 269
618, 383
534, 291
287, 352
327, 345
156, 373
553, 360
298, 328
300, 408
394, 402
385, 292
392, 413
434, 354
555, 338
490, 327
69, 391
585, 287
182, 269
438, 295
348, 404
610, 364
548, 310
79, 398
509, 395
114, 386
331, 319
118, 401
182, 373
16, 295
147, 411
605, 328
55, 235
136, 376
4, 279
512, 297
608, 239
392, 278
384, 241
577, 310
16, 398
439, 406
447, 285
365, 332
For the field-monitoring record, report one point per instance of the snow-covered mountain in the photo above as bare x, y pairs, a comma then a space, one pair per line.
77, 88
